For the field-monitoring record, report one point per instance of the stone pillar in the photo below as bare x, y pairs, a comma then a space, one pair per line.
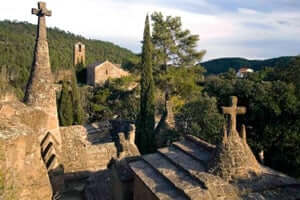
40, 92
41, 95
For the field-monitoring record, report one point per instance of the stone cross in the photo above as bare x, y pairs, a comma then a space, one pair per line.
41, 12
233, 111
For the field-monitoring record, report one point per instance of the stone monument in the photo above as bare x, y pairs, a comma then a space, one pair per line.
234, 158
79, 54
40, 92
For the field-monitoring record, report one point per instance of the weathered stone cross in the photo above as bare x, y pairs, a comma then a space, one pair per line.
233, 111
41, 12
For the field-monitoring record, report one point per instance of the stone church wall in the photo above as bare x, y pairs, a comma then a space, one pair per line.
99, 73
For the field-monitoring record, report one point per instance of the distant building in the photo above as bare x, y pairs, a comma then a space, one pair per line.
98, 73
79, 54
243, 72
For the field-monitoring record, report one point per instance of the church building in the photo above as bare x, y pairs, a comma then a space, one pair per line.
98, 73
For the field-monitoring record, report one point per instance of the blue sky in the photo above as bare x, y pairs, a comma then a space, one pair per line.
227, 28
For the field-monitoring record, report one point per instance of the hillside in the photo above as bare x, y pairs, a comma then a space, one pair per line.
17, 41
223, 64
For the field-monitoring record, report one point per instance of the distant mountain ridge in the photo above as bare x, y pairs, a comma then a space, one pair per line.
222, 65
17, 40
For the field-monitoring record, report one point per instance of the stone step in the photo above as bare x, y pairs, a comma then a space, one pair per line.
182, 159
204, 145
195, 169
189, 185
194, 150
158, 184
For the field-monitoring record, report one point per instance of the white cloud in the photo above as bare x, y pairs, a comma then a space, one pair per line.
223, 33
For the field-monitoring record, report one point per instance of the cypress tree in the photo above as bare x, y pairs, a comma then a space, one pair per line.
78, 114
65, 106
145, 138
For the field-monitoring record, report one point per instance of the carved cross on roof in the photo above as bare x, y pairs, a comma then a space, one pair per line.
42, 10
233, 111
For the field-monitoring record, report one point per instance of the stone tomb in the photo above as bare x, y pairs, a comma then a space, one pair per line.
194, 169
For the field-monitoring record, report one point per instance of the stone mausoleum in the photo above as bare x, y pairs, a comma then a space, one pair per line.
194, 169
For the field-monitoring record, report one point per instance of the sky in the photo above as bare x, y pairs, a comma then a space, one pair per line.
254, 29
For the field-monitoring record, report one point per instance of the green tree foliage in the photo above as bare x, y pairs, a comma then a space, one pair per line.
81, 72
182, 82
172, 45
145, 138
273, 112
114, 99
17, 41
201, 117
78, 113
221, 65
65, 106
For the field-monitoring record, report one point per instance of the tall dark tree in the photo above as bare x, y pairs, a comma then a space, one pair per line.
65, 106
78, 113
145, 138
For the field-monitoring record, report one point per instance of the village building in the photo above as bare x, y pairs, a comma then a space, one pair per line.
243, 72
98, 73
79, 54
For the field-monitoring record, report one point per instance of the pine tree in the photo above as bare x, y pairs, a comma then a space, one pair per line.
65, 106
173, 46
145, 138
78, 114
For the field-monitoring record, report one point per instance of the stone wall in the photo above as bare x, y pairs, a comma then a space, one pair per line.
64, 74
97, 74
23, 174
80, 156
142, 192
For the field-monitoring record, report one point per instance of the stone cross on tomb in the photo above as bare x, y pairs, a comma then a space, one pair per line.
233, 111
41, 12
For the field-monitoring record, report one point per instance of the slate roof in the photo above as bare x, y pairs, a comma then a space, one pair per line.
181, 172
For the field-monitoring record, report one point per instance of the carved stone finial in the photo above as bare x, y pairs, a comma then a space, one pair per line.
244, 134
233, 111
234, 158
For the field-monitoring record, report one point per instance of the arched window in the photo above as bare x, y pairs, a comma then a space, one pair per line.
79, 47
106, 72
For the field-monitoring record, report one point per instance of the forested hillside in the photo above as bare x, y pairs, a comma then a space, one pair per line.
222, 65
17, 41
